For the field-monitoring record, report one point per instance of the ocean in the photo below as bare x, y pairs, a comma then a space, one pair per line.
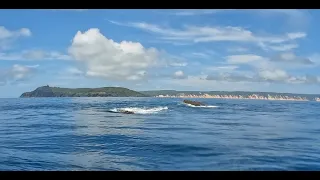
164, 134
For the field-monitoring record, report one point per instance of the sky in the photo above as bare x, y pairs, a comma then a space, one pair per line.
221, 49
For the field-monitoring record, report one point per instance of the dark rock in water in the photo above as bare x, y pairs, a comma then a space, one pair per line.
127, 112
194, 103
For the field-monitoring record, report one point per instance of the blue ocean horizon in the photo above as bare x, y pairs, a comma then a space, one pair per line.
163, 134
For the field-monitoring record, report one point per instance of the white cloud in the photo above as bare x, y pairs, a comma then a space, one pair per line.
291, 14
20, 72
231, 77
200, 55
287, 12
306, 79
287, 60
33, 66
192, 12
274, 75
74, 71
290, 57
191, 81
243, 59
197, 83
7, 34
278, 75
315, 58
264, 76
200, 34
262, 69
204, 54
222, 68
237, 49
104, 58
7, 37
17, 73
296, 35
3, 77
200, 83
25, 32
282, 47
296, 18
44, 55
34, 55
179, 75
177, 64
175, 43
70, 74
171, 60
293, 17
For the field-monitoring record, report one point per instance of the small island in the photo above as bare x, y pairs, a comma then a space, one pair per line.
47, 91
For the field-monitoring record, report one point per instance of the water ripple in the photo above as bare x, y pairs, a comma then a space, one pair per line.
82, 134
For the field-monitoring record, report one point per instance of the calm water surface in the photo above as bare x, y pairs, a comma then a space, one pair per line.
165, 134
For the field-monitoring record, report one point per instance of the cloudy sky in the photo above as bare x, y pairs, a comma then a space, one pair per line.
246, 50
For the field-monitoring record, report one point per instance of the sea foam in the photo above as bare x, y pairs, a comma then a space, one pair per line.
138, 110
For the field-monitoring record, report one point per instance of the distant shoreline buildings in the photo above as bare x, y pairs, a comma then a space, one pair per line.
252, 96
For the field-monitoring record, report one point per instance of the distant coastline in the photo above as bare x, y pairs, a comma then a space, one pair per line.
253, 96
47, 91
234, 95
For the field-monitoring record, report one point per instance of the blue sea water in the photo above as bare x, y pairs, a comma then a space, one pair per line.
164, 134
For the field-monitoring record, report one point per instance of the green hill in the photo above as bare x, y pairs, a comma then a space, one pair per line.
46, 91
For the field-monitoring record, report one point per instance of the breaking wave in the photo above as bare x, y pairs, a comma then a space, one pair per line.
137, 110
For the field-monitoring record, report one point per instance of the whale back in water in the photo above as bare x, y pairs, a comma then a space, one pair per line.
126, 112
194, 103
